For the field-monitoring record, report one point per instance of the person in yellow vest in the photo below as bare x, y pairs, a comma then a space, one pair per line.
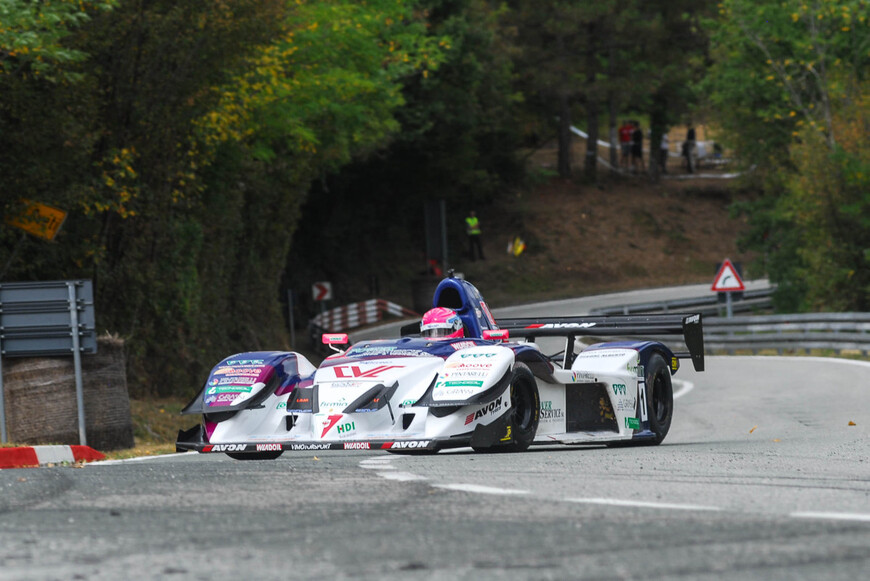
472, 228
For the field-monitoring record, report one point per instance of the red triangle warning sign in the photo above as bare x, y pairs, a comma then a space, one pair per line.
727, 279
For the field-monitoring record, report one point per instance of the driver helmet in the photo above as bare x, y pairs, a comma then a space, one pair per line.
441, 323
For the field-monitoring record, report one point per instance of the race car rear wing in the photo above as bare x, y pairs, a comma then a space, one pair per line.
649, 326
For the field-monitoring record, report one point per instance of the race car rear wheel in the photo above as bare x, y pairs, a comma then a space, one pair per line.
255, 455
525, 412
659, 398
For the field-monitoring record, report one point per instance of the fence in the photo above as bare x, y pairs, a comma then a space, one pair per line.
833, 331
708, 305
358, 314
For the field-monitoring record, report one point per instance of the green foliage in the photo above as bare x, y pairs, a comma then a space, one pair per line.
32, 36
788, 85
457, 141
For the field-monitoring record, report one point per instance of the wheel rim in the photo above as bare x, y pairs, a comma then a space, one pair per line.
522, 407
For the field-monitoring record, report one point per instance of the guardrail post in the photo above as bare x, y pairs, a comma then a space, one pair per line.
77, 359
2, 405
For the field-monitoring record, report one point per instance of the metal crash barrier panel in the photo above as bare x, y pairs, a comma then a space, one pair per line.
47, 319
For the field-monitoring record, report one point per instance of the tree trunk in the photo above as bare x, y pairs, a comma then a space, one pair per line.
591, 167
564, 164
658, 120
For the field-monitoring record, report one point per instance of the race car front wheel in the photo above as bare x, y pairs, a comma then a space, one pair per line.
525, 413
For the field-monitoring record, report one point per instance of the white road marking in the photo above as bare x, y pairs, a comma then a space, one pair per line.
379, 463
642, 504
833, 515
686, 387
401, 476
140, 458
477, 489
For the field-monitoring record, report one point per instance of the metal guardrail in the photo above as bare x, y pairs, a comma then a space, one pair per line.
834, 331
707, 305
43, 319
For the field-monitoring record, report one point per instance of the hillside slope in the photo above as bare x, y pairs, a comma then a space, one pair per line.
624, 234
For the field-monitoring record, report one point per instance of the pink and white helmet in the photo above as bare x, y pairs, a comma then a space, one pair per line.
441, 323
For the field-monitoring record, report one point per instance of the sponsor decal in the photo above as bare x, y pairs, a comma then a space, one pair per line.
632, 423
342, 403
636, 369
507, 437
408, 402
281, 405
230, 388
346, 428
385, 351
309, 446
246, 362
465, 373
548, 413
619, 388
626, 404
463, 345
251, 380
477, 355
693, 319
328, 423
466, 365
346, 384
485, 410
458, 392
357, 446
226, 448
354, 371
235, 372
269, 447
561, 326
405, 445
461, 383
583, 376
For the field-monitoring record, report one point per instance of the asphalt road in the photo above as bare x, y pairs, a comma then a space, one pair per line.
761, 477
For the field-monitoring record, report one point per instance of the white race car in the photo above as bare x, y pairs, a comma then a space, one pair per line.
492, 389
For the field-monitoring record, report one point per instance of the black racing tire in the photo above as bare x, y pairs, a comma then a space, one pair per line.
659, 398
525, 412
255, 455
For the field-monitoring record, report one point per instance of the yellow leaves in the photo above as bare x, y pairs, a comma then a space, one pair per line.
795, 17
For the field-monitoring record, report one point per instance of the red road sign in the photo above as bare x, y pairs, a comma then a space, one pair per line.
321, 291
727, 279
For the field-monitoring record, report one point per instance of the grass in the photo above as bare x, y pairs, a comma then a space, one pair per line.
155, 427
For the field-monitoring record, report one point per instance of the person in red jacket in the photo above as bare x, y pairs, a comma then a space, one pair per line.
625, 143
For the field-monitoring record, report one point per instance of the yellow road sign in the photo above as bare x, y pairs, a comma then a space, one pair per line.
38, 219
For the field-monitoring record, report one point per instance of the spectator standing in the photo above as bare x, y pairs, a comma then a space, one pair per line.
472, 228
636, 147
689, 149
625, 143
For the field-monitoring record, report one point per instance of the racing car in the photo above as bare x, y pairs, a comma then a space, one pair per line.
458, 380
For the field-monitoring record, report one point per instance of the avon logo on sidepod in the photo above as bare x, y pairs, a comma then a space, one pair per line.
353, 371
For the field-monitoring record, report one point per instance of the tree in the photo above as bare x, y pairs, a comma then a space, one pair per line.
788, 79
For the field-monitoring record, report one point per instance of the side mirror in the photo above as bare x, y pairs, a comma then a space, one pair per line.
333, 339
496, 334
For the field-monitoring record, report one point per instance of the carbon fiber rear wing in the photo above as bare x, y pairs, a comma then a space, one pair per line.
648, 326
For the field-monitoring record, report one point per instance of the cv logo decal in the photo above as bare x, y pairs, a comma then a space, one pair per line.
351, 371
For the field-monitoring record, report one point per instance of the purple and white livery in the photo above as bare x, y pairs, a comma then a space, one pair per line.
493, 389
